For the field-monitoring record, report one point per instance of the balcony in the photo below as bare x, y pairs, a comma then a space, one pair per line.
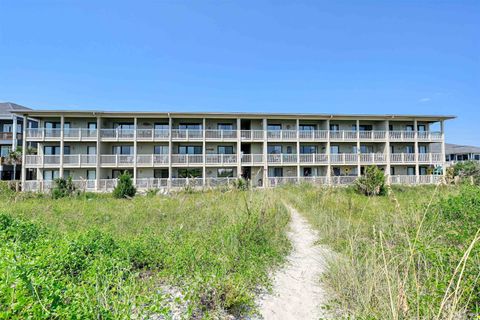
69, 161
344, 158
252, 159
8, 136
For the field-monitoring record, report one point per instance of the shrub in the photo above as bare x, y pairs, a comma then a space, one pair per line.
468, 170
124, 188
240, 184
372, 183
63, 188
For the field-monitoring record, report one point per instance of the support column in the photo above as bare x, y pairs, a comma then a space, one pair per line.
135, 123
387, 152
444, 163
14, 133
329, 162
62, 144
359, 167
417, 166
239, 148
265, 153
170, 152
24, 153
204, 152
298, 150
98, 163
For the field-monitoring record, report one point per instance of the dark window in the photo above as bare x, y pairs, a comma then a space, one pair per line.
409, 149
334, 127
122, 150
365, 127
274, 149
289, 149
225, 126
190, 150
160, 150
225, 173
409, 127
225, 149
190, 126
336, 171
422, 149
411, 171
307, 127
421, 127
189, 173
276, 172
92, 125
392, 171
124, 126
334, 149
116, 173
307, 172
160, 126
390, 127
308, 149
274, 127
160, 173
423, 171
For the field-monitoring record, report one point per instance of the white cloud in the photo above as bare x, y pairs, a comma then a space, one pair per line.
424, 99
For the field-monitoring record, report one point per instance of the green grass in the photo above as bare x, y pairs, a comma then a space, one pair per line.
412, 254
97, 257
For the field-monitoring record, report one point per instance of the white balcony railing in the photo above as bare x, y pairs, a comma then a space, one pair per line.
314, 158
152, 160
282, 158
252, 159
187, 159
252, 135
221, 159
187, 134
316, 135
220, 134
344, 158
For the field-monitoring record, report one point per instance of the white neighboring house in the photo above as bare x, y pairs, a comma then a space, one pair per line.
11, 126
173, 149
457, 153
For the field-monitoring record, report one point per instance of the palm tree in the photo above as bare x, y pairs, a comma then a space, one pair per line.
14, 157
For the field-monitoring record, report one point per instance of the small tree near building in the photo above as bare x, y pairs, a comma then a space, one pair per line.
372, 182
125, 187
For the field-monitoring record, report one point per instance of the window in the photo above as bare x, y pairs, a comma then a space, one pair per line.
421, 128
225, 173
160, 126
274, 149
409, 127
307, 172
307, 127
54, 150
225, 150
7, 127
116, 173
190, 126
366, 127
422, 149
366, 149
51, 125
334, 149
189, 173
274, 127
308, 149
477, 157
124, 126
91, 150
5, 150
354, 127
66, 149
411, 171
275, 172
390, 127
91, 174
392, 149
392, 171
92, 126
409, 149
189, 149
423, 171
160, 173
336, 171
160, 150
334, 127
289, 149
122, 150
50, 175
225, 126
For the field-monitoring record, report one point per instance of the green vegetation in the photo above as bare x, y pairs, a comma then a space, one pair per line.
372, 183
412, 254
93, 256
125, 187
63, 188
468, 171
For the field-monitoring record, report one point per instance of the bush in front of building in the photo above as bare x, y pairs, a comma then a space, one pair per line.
63, 188
125, 188
468, 171
372, 182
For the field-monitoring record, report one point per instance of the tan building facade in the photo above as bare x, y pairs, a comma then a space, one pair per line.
169, 150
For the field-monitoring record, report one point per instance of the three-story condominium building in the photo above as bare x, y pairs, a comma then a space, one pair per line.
168, 150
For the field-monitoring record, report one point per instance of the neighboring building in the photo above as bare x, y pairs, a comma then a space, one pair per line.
11, 136
163, 150
456, 153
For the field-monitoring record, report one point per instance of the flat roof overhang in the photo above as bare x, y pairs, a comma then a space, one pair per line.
226, 115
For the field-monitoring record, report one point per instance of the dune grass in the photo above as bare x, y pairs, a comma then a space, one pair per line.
97, 257
412, 254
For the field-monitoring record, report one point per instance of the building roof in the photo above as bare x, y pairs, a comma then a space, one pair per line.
455, 148
6, 108
255, 115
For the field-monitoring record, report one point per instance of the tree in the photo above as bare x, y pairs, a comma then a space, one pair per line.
468, 170
14, 157
372, 183
124, 188
63, 188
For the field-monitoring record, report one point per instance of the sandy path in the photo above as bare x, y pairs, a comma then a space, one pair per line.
297, 293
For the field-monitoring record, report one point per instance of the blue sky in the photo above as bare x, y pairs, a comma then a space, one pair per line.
273, 56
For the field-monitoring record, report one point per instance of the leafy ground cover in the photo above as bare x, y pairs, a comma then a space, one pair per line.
414, 253
94, 256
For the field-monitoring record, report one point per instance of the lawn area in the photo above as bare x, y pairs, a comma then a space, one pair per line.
414, 253
93, 256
